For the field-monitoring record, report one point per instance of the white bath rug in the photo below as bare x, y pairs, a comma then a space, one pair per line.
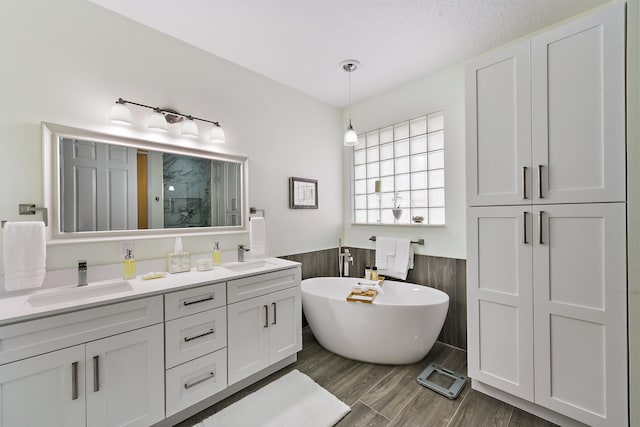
293, 400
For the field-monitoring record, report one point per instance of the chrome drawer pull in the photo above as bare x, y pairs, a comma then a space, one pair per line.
540, 227
96, 373
211, 375
266, 316
209, 298
540, 182
524, 228
524, 182
74, 380
275, 320
209, 332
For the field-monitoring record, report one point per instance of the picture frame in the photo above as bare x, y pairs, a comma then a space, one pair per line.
303, 193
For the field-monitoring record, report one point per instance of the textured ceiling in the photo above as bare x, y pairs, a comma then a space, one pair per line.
301, 43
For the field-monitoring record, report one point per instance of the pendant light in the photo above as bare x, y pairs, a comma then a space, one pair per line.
350, 136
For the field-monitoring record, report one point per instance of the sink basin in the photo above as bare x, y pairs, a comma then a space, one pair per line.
77, 293
249, 265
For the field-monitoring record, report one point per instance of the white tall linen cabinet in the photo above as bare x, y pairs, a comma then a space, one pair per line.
546, 222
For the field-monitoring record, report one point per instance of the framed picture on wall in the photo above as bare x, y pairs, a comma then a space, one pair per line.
303, 193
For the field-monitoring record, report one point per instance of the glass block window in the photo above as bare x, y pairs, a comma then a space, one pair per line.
398, 173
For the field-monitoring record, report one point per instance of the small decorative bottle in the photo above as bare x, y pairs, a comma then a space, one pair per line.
374, 273
129, 266
217, 255
367, 273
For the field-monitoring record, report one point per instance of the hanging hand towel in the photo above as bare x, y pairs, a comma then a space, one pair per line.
25, 254
403, 259
385, 248
257, 236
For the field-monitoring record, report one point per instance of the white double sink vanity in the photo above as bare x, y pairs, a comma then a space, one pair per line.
146, 352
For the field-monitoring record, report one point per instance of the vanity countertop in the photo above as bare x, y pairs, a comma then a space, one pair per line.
17, 308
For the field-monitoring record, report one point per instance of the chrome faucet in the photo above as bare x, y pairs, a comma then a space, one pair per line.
82, 272
344, 259
241, 250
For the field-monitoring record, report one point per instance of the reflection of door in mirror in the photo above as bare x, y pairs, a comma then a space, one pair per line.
98, 186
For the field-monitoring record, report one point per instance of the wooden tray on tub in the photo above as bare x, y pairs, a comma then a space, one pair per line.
364, 297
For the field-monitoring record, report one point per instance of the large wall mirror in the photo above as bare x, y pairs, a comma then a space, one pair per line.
101, 186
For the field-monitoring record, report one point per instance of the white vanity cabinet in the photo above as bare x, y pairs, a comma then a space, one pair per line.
546, 222
195, 345
265, 321
97, 375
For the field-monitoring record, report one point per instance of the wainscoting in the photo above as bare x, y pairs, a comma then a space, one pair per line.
446, 274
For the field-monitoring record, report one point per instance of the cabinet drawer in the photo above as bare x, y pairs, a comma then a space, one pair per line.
193, 336
196, 380
195, 300
254, 286
33, 337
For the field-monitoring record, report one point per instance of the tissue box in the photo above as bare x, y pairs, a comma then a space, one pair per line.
178, 263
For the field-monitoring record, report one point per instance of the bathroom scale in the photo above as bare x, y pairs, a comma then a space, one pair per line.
442, 380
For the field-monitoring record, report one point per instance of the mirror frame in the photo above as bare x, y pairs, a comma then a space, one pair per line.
52, 134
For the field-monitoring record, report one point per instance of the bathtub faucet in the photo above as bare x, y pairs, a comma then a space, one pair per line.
344, 258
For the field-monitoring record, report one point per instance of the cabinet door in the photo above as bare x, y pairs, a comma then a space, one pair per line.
46, 390
498, 105
578, 110
580, 312
248, 337
285, 328
125, 379
499, 298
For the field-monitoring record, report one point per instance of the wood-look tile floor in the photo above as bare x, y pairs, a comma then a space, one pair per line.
383, 395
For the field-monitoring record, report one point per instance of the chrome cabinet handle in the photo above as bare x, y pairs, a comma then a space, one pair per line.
524, 227
211, 375
524, 182
74, 380
540, 227
266, 316
96, 373
540, 182
274, 313
209, 298
209, 332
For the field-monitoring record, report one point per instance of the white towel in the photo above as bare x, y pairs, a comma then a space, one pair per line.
385, 248
400, 262
257, 236
25, 255
364, 288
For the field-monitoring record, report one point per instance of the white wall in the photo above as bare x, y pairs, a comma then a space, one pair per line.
67, 61
441, 91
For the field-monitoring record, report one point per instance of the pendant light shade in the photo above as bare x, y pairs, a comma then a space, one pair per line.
217, 134
350, 136
189, 128
120, 113
157, 121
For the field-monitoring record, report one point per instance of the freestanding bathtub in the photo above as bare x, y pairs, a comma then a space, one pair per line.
399, 327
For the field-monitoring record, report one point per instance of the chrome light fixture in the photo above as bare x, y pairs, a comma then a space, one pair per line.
161, 118
350, 136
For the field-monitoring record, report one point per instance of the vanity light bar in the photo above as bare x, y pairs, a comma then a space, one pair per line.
121, 114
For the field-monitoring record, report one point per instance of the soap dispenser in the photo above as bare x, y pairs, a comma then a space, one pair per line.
217, 255
129, 266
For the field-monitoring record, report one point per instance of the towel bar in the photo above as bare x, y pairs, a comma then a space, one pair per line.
254, 211
418, 242
29, 209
